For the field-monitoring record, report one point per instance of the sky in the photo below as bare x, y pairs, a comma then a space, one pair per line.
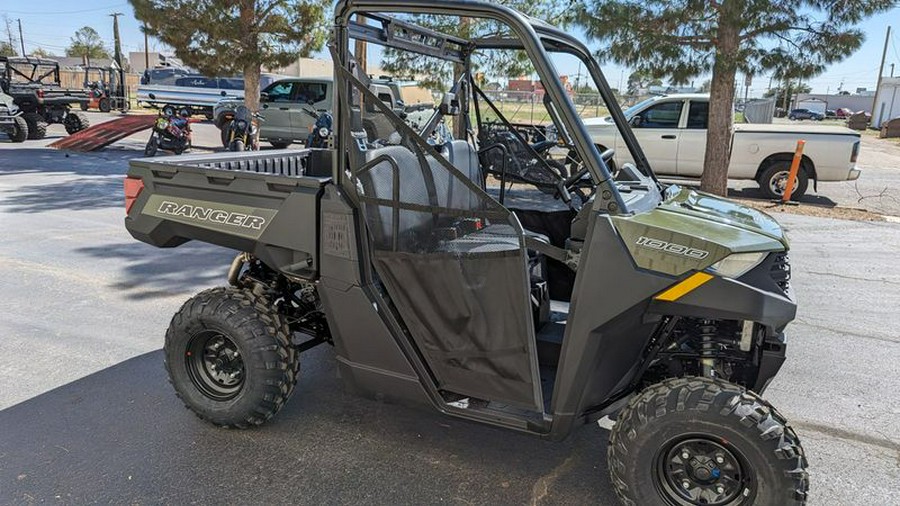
50, 24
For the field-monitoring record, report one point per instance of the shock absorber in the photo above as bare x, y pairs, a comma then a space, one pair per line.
707, 336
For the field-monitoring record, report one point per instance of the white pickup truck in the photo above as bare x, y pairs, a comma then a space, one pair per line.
671, 129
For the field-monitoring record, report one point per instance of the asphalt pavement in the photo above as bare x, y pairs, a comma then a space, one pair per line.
87, 415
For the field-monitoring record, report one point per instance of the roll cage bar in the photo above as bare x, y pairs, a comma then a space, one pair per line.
533, 36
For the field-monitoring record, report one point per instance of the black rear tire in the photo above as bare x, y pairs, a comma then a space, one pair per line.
37, 127
75, 122
762, 461
236, 145
84, 106
20, 130
247, 331
279, 144
773, 178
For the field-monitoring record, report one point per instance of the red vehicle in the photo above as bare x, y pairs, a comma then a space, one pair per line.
843, 113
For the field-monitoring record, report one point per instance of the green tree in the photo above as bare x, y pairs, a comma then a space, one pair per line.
685, 38
41, 53
783, 94
227, 37
7, 49
641, 79
87, 44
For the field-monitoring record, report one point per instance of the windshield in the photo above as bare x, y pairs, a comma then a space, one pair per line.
631, 111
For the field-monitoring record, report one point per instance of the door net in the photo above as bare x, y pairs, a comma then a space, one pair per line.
451, 258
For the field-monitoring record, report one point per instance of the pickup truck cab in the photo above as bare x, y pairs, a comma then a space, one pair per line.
283, 105
672, 132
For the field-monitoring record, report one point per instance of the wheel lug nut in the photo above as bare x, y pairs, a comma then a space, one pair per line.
686, 484
720, 459
685, 455
720, 489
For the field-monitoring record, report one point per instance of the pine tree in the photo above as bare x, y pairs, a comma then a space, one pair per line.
687, 38
222, 37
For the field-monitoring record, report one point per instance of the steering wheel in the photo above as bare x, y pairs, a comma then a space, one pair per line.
572, 184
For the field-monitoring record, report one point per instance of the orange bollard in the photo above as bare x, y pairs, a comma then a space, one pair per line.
792, 175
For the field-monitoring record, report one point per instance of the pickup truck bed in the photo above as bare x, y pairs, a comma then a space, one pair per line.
265, 203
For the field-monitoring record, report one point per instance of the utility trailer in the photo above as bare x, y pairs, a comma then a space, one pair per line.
662, 307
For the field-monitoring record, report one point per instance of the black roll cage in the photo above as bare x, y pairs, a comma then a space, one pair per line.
532, 36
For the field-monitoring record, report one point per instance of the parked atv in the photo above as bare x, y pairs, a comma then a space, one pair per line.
669, 306
11, 121
171, 132
35, 87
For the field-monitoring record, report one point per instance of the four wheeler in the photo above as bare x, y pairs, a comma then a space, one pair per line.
11, 121
34, 85
663, 307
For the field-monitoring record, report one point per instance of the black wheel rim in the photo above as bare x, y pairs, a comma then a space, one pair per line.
215, 365
700, 470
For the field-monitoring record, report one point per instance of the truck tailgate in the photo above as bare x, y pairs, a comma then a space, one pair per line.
264, 203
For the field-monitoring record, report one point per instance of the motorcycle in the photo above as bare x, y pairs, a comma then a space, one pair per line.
171, 132
320, 132
243, 131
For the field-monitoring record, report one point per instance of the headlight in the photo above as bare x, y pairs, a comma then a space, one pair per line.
323, 132
241, 124
736, 264
162, 123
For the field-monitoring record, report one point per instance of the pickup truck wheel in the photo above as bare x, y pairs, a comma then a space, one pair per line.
37, 127
230, 359
279, 144
19, 131
225, 133
773, 180
75, 122
693, 441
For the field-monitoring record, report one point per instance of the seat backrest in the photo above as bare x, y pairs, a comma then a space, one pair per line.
463, 156
378, 182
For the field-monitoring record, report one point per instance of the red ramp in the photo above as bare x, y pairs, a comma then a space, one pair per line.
106, 133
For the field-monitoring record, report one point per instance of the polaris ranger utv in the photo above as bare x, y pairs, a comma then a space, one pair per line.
35, 87
662, 307
11, 121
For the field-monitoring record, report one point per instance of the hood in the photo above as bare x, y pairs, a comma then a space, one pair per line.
696, 204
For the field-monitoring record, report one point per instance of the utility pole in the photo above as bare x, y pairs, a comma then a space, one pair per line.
892, 70
9, 34
22, 38
887, 39
146, 53
116, 39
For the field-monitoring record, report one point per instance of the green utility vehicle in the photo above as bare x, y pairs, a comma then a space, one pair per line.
537, 304
35, 87
11, 121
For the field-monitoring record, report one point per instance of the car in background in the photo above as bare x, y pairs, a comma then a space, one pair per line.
285, 106
843, 113
830, 113
798, 114
671, 130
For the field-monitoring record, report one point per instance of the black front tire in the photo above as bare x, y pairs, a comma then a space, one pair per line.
769, 466
236, 145
773, 178
268, 363
280, 144
20, 130
152, 146
225, 133
37, 127
105, 104
75, 122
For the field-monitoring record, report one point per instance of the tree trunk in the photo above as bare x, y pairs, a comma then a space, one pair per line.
251, 46
721, 107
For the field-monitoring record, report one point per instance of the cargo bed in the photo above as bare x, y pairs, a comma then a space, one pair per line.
264, 203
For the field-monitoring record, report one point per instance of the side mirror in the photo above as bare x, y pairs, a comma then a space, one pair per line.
401, 104
264, 97
636, 121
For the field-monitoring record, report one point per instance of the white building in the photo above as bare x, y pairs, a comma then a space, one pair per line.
887, 101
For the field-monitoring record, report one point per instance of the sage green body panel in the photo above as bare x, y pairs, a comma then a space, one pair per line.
692, 231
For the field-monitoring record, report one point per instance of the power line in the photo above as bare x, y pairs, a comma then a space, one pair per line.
54, 13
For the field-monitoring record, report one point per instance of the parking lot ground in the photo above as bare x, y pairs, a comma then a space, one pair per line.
86, 414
